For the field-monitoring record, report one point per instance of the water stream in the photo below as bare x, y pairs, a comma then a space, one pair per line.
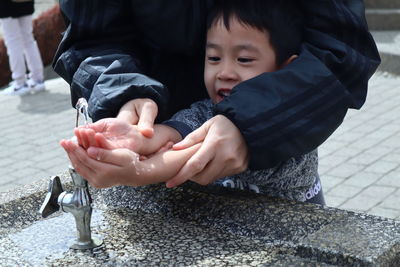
82, 110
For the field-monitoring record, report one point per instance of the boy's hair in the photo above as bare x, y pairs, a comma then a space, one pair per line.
281, 18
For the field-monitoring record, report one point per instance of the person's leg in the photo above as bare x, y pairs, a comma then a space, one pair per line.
31, 50
315, 194
14, 43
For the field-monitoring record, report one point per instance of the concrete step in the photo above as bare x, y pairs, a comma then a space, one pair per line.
382, 3
388, 43
383, 19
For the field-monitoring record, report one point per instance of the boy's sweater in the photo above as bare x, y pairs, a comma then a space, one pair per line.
290, 179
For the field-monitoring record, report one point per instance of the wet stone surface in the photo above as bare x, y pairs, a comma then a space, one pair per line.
155, 226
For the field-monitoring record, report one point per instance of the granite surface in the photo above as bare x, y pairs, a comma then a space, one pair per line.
155, 226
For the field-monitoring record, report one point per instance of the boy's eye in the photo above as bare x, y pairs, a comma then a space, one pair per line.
245, 60
214, 59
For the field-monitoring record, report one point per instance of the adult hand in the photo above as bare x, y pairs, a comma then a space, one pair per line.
223, 152
141, 112
104, 168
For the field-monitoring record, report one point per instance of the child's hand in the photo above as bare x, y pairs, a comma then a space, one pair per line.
110, 134
162, 149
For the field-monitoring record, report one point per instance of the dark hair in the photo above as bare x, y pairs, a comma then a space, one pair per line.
281, 18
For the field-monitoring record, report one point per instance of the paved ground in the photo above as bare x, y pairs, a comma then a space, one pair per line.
359, 166
32, 126
360, 162
43, 5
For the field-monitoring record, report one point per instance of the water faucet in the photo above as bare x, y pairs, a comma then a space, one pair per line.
78, 203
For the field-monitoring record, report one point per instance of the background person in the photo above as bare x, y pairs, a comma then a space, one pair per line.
22, 49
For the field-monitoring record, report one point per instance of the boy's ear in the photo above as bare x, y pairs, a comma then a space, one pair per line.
293, 57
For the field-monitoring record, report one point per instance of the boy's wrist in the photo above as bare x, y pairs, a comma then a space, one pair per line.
179, 127
141, 144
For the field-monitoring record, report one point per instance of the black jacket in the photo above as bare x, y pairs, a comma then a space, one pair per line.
15, 10
113, 46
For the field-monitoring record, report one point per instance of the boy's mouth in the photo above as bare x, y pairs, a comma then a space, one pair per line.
224, 92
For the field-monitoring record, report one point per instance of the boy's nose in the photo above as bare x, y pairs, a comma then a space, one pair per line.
227, 73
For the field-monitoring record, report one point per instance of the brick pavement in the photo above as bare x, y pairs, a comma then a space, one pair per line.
32, 126
43, 5
359, 163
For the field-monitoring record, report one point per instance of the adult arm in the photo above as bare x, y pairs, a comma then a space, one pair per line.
291, 112
223, 148
106, 168
98, 57
106, 40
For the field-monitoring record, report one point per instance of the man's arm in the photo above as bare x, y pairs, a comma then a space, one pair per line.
98, 57
291, 112
105, 41
160, 167
106, 168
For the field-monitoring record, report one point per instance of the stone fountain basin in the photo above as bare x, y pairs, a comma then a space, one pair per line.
153, 226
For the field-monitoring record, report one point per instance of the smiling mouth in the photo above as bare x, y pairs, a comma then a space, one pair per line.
224, 92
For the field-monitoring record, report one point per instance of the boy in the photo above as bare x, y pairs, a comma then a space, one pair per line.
244, 39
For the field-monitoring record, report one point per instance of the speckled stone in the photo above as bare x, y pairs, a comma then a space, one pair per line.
186, 226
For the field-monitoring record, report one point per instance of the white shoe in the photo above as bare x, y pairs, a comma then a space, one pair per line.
16, 90
36, 86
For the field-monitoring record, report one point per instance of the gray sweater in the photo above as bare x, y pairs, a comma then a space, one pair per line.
291, 179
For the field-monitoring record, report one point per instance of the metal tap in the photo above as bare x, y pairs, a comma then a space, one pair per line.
78, 203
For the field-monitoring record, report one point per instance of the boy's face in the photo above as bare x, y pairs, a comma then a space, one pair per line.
234, 56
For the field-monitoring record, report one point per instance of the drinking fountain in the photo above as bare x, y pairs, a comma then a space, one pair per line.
78, 202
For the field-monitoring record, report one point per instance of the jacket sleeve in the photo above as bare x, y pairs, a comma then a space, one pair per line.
97, 57
294, 110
